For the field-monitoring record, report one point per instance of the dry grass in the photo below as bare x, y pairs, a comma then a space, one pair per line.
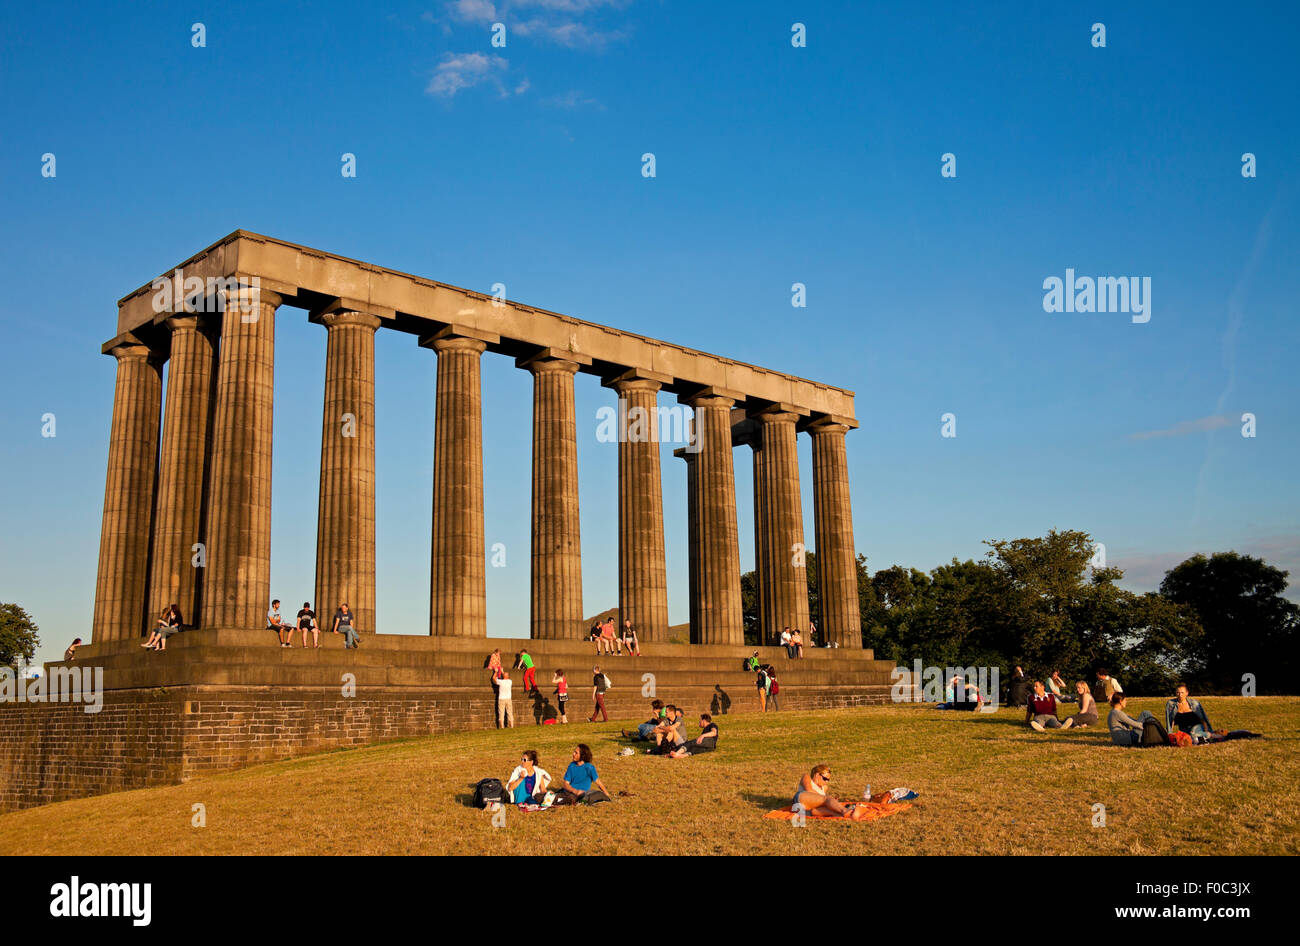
988, 785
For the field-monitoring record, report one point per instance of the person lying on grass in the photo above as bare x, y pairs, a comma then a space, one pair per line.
706, 741
810, 794
581, 782
529, 781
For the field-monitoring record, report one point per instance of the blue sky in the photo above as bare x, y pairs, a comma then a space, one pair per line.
775, 165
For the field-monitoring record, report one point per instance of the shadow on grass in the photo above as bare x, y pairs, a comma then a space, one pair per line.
766, 802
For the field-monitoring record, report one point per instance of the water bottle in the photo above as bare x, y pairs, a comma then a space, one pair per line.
866, 792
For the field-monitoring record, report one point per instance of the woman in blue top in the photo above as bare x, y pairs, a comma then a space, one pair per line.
581, 781
1184, 714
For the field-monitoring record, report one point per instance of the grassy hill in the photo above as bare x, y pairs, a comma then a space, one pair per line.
988, 785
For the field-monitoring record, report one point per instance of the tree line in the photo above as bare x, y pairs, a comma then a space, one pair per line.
1043, 604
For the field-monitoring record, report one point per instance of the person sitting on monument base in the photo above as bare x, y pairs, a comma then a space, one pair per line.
168, 624
344, 623
307, 622
274, 622
629, 640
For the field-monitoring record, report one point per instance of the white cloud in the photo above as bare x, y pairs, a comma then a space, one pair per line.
472, 11
463, 71
1200, 425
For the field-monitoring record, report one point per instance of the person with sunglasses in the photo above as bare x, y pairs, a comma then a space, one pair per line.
810, 794
529, 781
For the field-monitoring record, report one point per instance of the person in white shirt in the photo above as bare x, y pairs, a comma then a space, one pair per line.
785, 642
504, 708
529, 781
275, 623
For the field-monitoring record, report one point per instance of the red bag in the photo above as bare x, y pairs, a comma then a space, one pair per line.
1180, 739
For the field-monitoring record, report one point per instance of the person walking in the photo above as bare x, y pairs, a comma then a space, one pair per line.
562, 694
598, 687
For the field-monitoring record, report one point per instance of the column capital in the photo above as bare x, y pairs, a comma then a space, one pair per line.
708, 400
827, 427
712, 396
342, 317
133, 351
828, 421
249, 296
195, 322
553, 359
636, 379
458, 343
773, 417
459, 338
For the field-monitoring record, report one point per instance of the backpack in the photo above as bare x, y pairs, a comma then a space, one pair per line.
1180, 739
776, 688
487, 791
608, 684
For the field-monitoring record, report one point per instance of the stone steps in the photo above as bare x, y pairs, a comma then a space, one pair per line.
238, 637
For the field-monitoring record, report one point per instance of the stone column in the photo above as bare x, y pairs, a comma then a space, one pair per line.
458, 581
642, 573
692, 538
177, 574
237, 585
121, 596
837, 574
760, 541
345, 524
556, 570
786, 585
721, 620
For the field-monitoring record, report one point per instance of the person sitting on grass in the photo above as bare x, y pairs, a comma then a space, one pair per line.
1041, 711
581, 781
810, 794
1184, 714
644, 730
529, 781
1127, 731
1059, 689
706, 741
1108, 684
1087, 715
670, 734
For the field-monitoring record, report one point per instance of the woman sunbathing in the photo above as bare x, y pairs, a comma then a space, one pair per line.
810, 795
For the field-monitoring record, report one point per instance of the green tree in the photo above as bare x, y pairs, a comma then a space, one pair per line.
19, 636
1248, 626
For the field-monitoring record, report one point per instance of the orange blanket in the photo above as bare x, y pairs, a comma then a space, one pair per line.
862, 811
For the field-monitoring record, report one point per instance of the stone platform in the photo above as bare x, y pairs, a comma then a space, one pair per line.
222, 698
